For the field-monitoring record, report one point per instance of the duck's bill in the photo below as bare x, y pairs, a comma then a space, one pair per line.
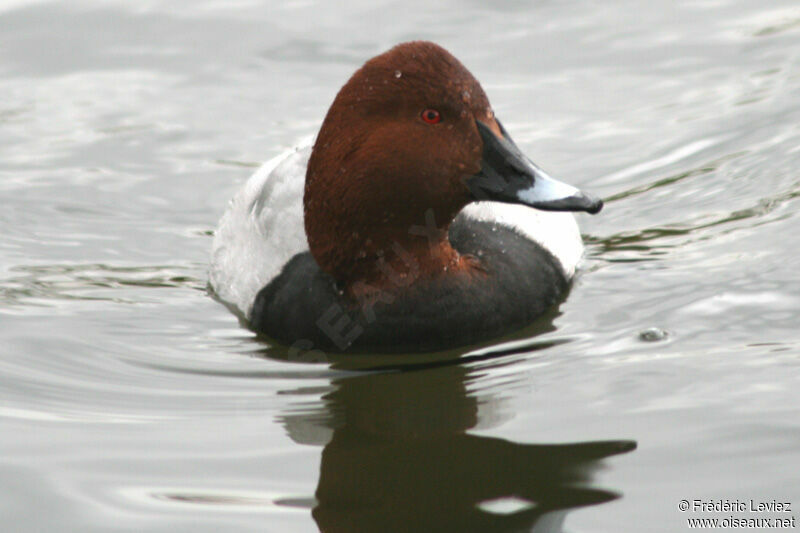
508, 176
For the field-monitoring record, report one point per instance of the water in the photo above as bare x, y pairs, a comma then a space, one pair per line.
131, 401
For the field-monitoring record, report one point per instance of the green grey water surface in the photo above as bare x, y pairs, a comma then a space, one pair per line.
132, 401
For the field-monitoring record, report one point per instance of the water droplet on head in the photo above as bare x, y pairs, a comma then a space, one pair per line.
397, 73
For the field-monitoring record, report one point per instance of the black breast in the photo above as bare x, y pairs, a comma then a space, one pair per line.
523, 280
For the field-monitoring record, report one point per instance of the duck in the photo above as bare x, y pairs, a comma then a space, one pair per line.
412, 222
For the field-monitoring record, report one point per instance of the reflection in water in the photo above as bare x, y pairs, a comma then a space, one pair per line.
400, 459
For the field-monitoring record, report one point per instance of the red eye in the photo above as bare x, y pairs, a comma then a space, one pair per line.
431, 116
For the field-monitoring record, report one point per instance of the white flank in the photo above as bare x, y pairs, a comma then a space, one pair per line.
556, 231
261, 230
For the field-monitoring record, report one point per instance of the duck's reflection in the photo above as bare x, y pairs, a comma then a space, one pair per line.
400, 459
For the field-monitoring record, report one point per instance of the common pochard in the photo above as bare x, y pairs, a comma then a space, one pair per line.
414, 222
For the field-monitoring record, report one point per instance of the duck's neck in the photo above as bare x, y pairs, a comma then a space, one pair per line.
400, 265
380, 264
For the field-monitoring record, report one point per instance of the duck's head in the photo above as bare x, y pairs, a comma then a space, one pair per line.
411, 138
